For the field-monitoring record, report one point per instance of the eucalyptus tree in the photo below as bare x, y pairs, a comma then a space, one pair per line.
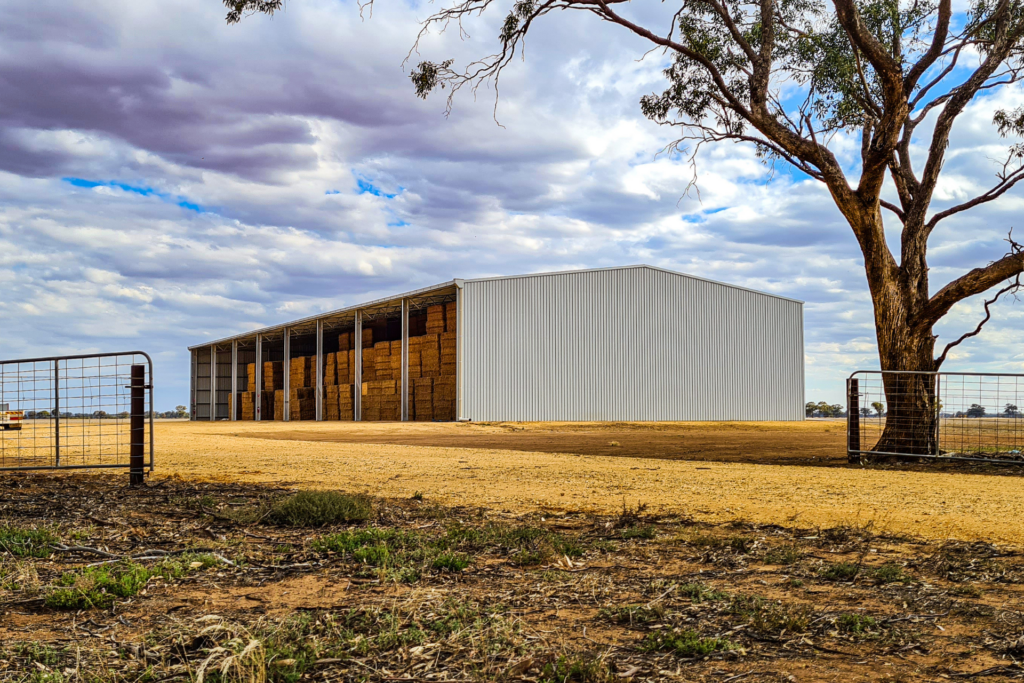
793, 78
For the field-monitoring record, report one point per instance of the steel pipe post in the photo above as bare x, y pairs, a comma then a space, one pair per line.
405, 360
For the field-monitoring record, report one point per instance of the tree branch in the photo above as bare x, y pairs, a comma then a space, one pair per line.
974, 282
1013, 286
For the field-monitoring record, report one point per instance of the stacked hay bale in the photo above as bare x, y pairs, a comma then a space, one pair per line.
430, 355
249, 405
346, 403
273, 389
382, 360
396, 360
415, 358
302, 388
423, 399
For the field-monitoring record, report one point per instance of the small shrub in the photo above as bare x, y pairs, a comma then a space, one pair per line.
890, 573
26, 542
769, 616
698, 592
418, 495
855, 623
840, 571
684, 643
320, 508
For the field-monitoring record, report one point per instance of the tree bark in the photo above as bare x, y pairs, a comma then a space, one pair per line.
899, 295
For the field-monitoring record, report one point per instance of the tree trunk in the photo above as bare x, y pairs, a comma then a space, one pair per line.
911, 401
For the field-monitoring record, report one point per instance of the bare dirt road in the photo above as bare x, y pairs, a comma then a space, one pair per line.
686, 469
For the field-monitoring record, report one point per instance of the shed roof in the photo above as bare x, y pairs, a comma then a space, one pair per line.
433, 293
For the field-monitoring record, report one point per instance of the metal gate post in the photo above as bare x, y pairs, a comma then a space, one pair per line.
853, 420
138, 425
56, 411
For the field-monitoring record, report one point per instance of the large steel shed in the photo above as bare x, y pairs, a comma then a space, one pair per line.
626, 343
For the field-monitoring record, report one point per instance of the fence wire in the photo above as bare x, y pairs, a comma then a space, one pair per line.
71, 411
958, 416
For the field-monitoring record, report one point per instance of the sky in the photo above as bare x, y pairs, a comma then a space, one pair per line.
166, 179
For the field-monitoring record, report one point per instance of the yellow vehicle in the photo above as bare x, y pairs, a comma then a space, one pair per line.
10, 419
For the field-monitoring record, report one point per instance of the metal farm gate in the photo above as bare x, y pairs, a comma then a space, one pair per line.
77, 412
939, 415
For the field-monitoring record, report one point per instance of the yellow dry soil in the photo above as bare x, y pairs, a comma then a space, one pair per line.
929, 504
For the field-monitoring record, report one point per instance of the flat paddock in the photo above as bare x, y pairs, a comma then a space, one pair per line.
783, 473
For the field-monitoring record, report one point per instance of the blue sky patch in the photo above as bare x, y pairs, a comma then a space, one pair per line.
135, 189
366, 187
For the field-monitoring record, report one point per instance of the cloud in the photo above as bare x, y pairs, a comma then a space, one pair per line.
166, 179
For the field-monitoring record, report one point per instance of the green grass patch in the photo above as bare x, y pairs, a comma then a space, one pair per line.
737, 544
100, 587
451, 562
856, 623
784, 555
685, 643
320, 508
27, 541
584, 669
890, 573
840, 571
698, 592
770, 617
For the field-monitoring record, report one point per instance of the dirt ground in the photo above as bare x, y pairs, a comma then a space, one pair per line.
191, 581
714, 472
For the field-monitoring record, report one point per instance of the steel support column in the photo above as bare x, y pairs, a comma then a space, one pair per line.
287, 374
213, 383
319, 370
233, 410
357, 389
258, 399
405, 360
459, 336
195, 385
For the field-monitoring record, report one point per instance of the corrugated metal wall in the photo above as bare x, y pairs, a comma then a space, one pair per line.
632, 343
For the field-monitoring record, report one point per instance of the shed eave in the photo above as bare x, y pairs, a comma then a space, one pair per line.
329, 314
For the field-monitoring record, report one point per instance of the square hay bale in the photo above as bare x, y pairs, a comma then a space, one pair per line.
250, 374
450, 316
279, 405
273, 375
367, 337
345, 341
302, 372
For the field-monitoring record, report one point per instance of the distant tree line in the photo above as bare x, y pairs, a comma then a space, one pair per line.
822, 409
178, 412
877, 409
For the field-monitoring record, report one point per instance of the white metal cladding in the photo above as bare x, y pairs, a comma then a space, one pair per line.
635, 343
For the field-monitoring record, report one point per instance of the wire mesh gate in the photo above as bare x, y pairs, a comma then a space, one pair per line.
74, 412
941, 415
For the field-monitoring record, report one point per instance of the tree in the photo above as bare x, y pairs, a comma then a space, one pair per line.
865, 412
810, 408
1011, 410
976, 410
879, 407
797, 79
181, 411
